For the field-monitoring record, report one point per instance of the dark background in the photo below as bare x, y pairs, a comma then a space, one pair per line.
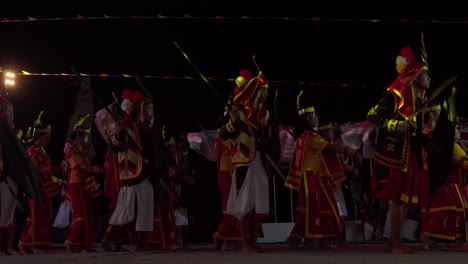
344, 59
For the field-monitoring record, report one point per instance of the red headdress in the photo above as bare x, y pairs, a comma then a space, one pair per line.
247, 87
408, 69
127, 103
132, 104
407, 66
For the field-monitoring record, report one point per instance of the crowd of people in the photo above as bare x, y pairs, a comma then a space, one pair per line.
142, 203
418, 163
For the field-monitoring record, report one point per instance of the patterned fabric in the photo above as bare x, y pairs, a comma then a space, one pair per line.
397, 158
130, 160
444, 217
315, 177
80, 191
229, 228
253, 192
38, 229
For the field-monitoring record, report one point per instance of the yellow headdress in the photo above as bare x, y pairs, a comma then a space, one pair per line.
79, 126
424, 53
39, 127
301, 109
167, 141
326, 126
432, 108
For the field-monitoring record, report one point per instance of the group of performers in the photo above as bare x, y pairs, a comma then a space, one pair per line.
141, 204
418, 160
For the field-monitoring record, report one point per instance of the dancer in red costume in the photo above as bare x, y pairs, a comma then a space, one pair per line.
398, 157
37, 232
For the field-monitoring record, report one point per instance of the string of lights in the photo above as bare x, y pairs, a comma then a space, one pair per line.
241, 18
105, 75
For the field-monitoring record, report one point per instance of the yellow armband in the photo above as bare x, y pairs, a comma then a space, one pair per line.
392, 125
230, 128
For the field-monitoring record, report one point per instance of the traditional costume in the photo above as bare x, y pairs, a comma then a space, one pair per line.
229, 228
82, 188
315, 176
132, 141
249, 198
37, 232
398, 157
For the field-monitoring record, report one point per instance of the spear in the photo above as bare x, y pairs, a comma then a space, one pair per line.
201, 75
158, 151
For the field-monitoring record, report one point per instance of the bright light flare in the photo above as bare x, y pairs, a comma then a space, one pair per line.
9, 78
10, 75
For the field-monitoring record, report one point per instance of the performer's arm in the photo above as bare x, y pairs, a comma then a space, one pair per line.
382, 112
231, 127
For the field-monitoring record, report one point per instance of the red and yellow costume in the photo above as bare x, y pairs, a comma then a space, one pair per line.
114, 234
164, 231
81, 189
249, 132
445, 217
398, 159
229, 228
315, 178
37, 231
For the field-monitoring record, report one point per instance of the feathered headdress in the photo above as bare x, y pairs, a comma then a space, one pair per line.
79, 126
247, 87
127, 103
167, 140
39, 127
303, 108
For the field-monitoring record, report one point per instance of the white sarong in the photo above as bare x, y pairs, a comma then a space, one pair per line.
124, 212
254, 192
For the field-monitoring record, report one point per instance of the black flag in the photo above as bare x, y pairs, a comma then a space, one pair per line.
18, 164
440, 148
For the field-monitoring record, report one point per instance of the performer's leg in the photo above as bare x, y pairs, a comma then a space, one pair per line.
247, 222
10, 234
255, 227
312, 243
398, 216
185, 236
2, 237
132, 237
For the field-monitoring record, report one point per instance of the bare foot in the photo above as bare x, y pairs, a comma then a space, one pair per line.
25, 249
428, 243
119, 248
401, 250
37, 250
87, 250
293, 243
72, 249
312, 244
217, 242
107, 247
389, 247
249, 249
260, 249
225, 246
454, 245
12, 252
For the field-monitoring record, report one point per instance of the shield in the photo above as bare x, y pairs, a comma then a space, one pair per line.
104, 118
440, 148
